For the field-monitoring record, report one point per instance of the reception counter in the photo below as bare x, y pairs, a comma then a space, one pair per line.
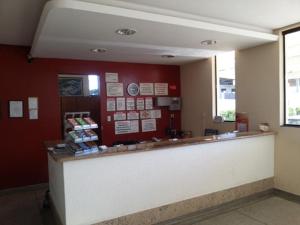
127, 180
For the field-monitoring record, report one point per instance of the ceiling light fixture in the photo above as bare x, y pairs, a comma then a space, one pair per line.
126, 31
168, 56
208, 42
98, 50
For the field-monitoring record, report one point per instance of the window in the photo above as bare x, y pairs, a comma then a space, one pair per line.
291, 40
225, 86
93, 84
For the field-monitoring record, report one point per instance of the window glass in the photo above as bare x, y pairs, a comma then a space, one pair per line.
292, 78
225, 85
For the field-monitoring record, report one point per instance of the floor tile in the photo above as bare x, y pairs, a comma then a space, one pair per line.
274, 211
232, 218
20, 208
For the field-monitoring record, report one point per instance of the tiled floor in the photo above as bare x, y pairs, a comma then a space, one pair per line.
26, 208
271, 211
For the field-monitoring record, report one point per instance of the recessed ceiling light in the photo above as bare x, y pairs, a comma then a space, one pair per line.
126, 31
208, 42
168, 56
98, 50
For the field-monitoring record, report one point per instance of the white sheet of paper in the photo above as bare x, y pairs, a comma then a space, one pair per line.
133, 115
140, 104
32, 103
126, 127
146, 114
33, 114
148, 103
121, 104
161, 88
114, 89
130, 104
16, 109
148, 125
119, 116
110, 105
111, 77
155, 114
146, 89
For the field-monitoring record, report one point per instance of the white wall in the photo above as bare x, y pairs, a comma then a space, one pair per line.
259, 92
197, 92
259, 79
257, 84
109, 187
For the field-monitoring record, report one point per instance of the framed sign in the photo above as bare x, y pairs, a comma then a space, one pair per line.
146, 89
114, 89
15, 109
161, 88
133, 89
70, 86
111, 77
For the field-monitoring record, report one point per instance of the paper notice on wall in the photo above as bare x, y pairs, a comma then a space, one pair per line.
111, 77
32, 103
156, 114
133, 115
119, 116
114, 89
33, 108
130, 104
33, 114
145, 114
146, 89
148, 125
140, 104
126, 127
150, 114
110, 105
148, 103
121, 104
161, 89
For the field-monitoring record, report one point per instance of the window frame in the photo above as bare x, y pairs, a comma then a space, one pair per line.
216, 94
284, 33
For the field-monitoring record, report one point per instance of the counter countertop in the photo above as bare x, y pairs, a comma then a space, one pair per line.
151, 146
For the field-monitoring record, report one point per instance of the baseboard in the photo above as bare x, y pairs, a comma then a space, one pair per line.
287, 195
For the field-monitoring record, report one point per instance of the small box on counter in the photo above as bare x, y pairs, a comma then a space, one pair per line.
93, 136
90, 122
83, 135
82, 123
75, 137
92, 145
74, 124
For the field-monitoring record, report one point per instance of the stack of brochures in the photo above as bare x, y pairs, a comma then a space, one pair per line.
83, 148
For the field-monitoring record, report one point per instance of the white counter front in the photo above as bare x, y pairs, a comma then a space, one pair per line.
97, 189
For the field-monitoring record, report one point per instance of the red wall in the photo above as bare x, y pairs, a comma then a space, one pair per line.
23, 159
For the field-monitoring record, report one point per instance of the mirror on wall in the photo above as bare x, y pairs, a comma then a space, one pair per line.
78, 85
80, 94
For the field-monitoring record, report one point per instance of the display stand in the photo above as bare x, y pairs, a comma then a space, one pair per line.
79, 134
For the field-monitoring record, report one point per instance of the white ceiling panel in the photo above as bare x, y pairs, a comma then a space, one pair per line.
266, 14
69, 29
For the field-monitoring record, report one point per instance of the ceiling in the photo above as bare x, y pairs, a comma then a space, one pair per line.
266, 14
70, 28
18, 20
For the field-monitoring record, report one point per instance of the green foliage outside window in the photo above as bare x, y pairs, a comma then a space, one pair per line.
228, 115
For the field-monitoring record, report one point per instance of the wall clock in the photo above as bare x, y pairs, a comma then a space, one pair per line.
133, 89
